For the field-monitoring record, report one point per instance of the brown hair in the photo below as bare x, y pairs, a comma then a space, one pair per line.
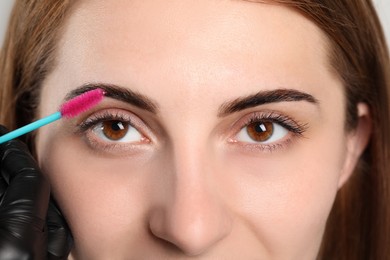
359, 224
27, 56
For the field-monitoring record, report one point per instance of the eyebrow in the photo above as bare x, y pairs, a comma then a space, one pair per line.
265, 97
119, 93
141, 101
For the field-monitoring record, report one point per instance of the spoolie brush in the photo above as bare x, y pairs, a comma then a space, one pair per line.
69, 109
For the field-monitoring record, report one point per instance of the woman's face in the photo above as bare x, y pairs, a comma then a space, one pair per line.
221, 136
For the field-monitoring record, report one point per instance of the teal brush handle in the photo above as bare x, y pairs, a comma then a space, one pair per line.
30, 127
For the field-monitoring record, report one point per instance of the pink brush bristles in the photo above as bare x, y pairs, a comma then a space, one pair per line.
81, 103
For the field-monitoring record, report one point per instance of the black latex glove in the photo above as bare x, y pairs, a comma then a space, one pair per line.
24, 204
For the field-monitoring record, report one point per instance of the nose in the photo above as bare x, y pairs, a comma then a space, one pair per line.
192, 215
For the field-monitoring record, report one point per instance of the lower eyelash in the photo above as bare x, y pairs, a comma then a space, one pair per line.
269, 148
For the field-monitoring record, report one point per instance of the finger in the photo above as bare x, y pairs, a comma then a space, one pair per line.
3, 183
3, 186
27, 186
24, 204
59, 238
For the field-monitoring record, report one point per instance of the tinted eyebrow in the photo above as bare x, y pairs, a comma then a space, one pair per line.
265, 97
119, 93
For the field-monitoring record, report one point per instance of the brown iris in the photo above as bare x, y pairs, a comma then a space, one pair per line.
114, 130
260, 131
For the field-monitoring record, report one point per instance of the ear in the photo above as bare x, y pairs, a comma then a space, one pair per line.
357, 141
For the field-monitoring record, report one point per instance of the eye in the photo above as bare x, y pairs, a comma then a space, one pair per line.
115, 131
262, 132
118, 131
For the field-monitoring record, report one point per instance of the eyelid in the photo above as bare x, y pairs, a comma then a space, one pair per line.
86, 126
296, 129
271, 116
111, 114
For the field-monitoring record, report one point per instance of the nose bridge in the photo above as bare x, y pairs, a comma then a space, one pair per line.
192, 217
191, 158
191, 150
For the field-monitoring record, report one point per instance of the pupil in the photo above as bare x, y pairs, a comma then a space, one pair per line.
260, 128
117, 126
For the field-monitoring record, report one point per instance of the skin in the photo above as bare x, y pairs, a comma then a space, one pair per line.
192, 186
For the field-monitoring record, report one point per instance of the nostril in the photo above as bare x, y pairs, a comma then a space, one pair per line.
174, 246
192, 235
167, 245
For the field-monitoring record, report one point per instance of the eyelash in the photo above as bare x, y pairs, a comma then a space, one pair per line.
86, 127
102, 117
295, 128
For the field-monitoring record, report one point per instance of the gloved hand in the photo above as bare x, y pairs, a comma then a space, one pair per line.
24, 205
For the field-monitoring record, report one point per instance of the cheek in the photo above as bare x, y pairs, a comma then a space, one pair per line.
286, 196
283, 198
99, 197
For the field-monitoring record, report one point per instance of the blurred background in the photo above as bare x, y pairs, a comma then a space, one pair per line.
383, 7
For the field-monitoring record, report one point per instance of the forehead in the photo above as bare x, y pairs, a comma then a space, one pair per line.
193, 44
